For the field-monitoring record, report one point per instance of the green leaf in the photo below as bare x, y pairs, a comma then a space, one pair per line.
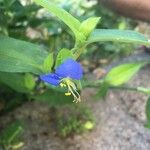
88, 25
102, 92
15, 81
62, 55
53, 98
122, 73
48, 63
20, 56
147, 111
11, 133
126, 36
67, 18
29, 81
8, 3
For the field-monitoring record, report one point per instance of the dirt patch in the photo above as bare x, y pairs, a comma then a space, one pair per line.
119, 122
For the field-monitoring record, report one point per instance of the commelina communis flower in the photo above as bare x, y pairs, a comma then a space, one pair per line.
64, 75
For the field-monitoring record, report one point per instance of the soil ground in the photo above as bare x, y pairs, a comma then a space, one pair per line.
120, 122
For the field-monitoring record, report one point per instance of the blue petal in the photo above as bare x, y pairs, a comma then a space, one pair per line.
51, 78
70, 68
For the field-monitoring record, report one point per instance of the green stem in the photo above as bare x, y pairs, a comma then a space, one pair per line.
78, 51
97, 84
124, 88
138, 89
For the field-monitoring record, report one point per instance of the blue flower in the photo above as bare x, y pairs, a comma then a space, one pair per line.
64, 74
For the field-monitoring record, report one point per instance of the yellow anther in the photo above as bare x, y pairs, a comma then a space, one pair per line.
62, 85
72, 89
68, 94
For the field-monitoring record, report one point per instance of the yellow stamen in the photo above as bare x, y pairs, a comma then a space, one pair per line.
62, 85
72, 90
68, 94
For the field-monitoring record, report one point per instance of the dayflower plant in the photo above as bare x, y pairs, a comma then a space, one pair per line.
64, 75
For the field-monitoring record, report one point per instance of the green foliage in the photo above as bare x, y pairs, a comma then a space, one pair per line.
15, 18
102, 92
125, 36
18, 82
89, 25
29, 81
53, 98
20, 56
67, 18
11, 99
10, 136
103, 35
48, 63
122, 73
62, 55
8, 3
63, 15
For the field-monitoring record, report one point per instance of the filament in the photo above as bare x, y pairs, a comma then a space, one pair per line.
72, 90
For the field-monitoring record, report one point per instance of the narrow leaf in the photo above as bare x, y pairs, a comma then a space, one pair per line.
67, 18
126, 36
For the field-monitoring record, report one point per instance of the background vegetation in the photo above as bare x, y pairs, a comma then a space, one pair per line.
24, 20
